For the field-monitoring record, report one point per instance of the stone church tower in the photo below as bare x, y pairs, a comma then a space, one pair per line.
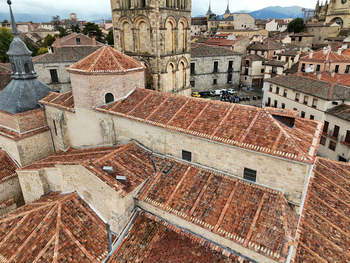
158, 32
337, 11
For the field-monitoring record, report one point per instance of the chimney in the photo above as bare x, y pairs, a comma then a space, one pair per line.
93, 41
319, 75
58, 42
339, 51
332, 74
311, 54
324, 51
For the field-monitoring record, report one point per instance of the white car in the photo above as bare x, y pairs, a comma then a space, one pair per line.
231, 91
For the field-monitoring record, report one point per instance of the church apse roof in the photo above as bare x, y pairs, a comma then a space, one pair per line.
106, 60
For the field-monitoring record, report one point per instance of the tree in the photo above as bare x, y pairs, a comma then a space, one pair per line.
75, 28
63, 32
110, 38
297, 25
5, 40
4, 22
92, 29
56, 22
48, 40
32, 47
42, 50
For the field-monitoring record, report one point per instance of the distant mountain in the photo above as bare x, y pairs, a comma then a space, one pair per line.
278, 12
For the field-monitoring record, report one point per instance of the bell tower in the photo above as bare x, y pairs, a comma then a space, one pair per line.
157, 32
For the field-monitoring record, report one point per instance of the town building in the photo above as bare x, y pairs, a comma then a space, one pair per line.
315, 97
199, 26
213, 67
322, 31
51, 67
304, 39
161, 39
325, 60
272, 25
230, 41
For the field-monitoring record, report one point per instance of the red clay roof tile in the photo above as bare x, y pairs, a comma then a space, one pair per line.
247, 214
150, 239
55, 227
60, 100
106, 60
239, 125
7, 167
324, 232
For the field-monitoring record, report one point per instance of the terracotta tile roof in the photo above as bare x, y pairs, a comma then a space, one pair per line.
55, 228
250, 215
327, 56
320, 24
65, 54
5, 68
6, 203
324, 232
16, 136
7, 167
268, 44
309, 84
106, 60
73, 35
128, 160
214, 41
301, 34
254, 57
199, 39
63, 101
239, 125
276, 63
202, 50
150, 239
343, 79
346, 52
341, 111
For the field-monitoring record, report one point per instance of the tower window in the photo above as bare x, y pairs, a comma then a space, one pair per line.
54, 76
78, 41
109, 98
26, 68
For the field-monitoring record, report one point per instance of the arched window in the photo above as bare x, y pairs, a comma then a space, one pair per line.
109, 98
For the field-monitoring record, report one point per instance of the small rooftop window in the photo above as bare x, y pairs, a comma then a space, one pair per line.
109, 97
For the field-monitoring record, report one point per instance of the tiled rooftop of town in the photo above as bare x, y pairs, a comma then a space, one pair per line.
65, 54
150, 239
267, 44
341, 111
16, 136
324, 232
326, 55
254, 57
106, 60
66, 41
128, 160
309, 84
238, 125
7, 167
202, 50
55, 228
343, 79
60, 100
252, 216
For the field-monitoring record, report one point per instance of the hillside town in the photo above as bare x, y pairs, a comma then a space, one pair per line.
160, 137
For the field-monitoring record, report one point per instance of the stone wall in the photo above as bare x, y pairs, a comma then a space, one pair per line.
204, 76
11, 189
90, 90
115, 209
33, 184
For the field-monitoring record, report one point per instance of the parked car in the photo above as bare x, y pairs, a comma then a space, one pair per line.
195, 94
216, 92
205, 94
231, 91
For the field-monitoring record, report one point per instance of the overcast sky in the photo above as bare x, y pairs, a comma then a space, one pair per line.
86, 9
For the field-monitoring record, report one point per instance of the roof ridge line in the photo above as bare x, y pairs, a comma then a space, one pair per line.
44, 249
292, 139
115, 59
102, 50
57, 233
122, 148
244, 136
36, 229
288, 233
